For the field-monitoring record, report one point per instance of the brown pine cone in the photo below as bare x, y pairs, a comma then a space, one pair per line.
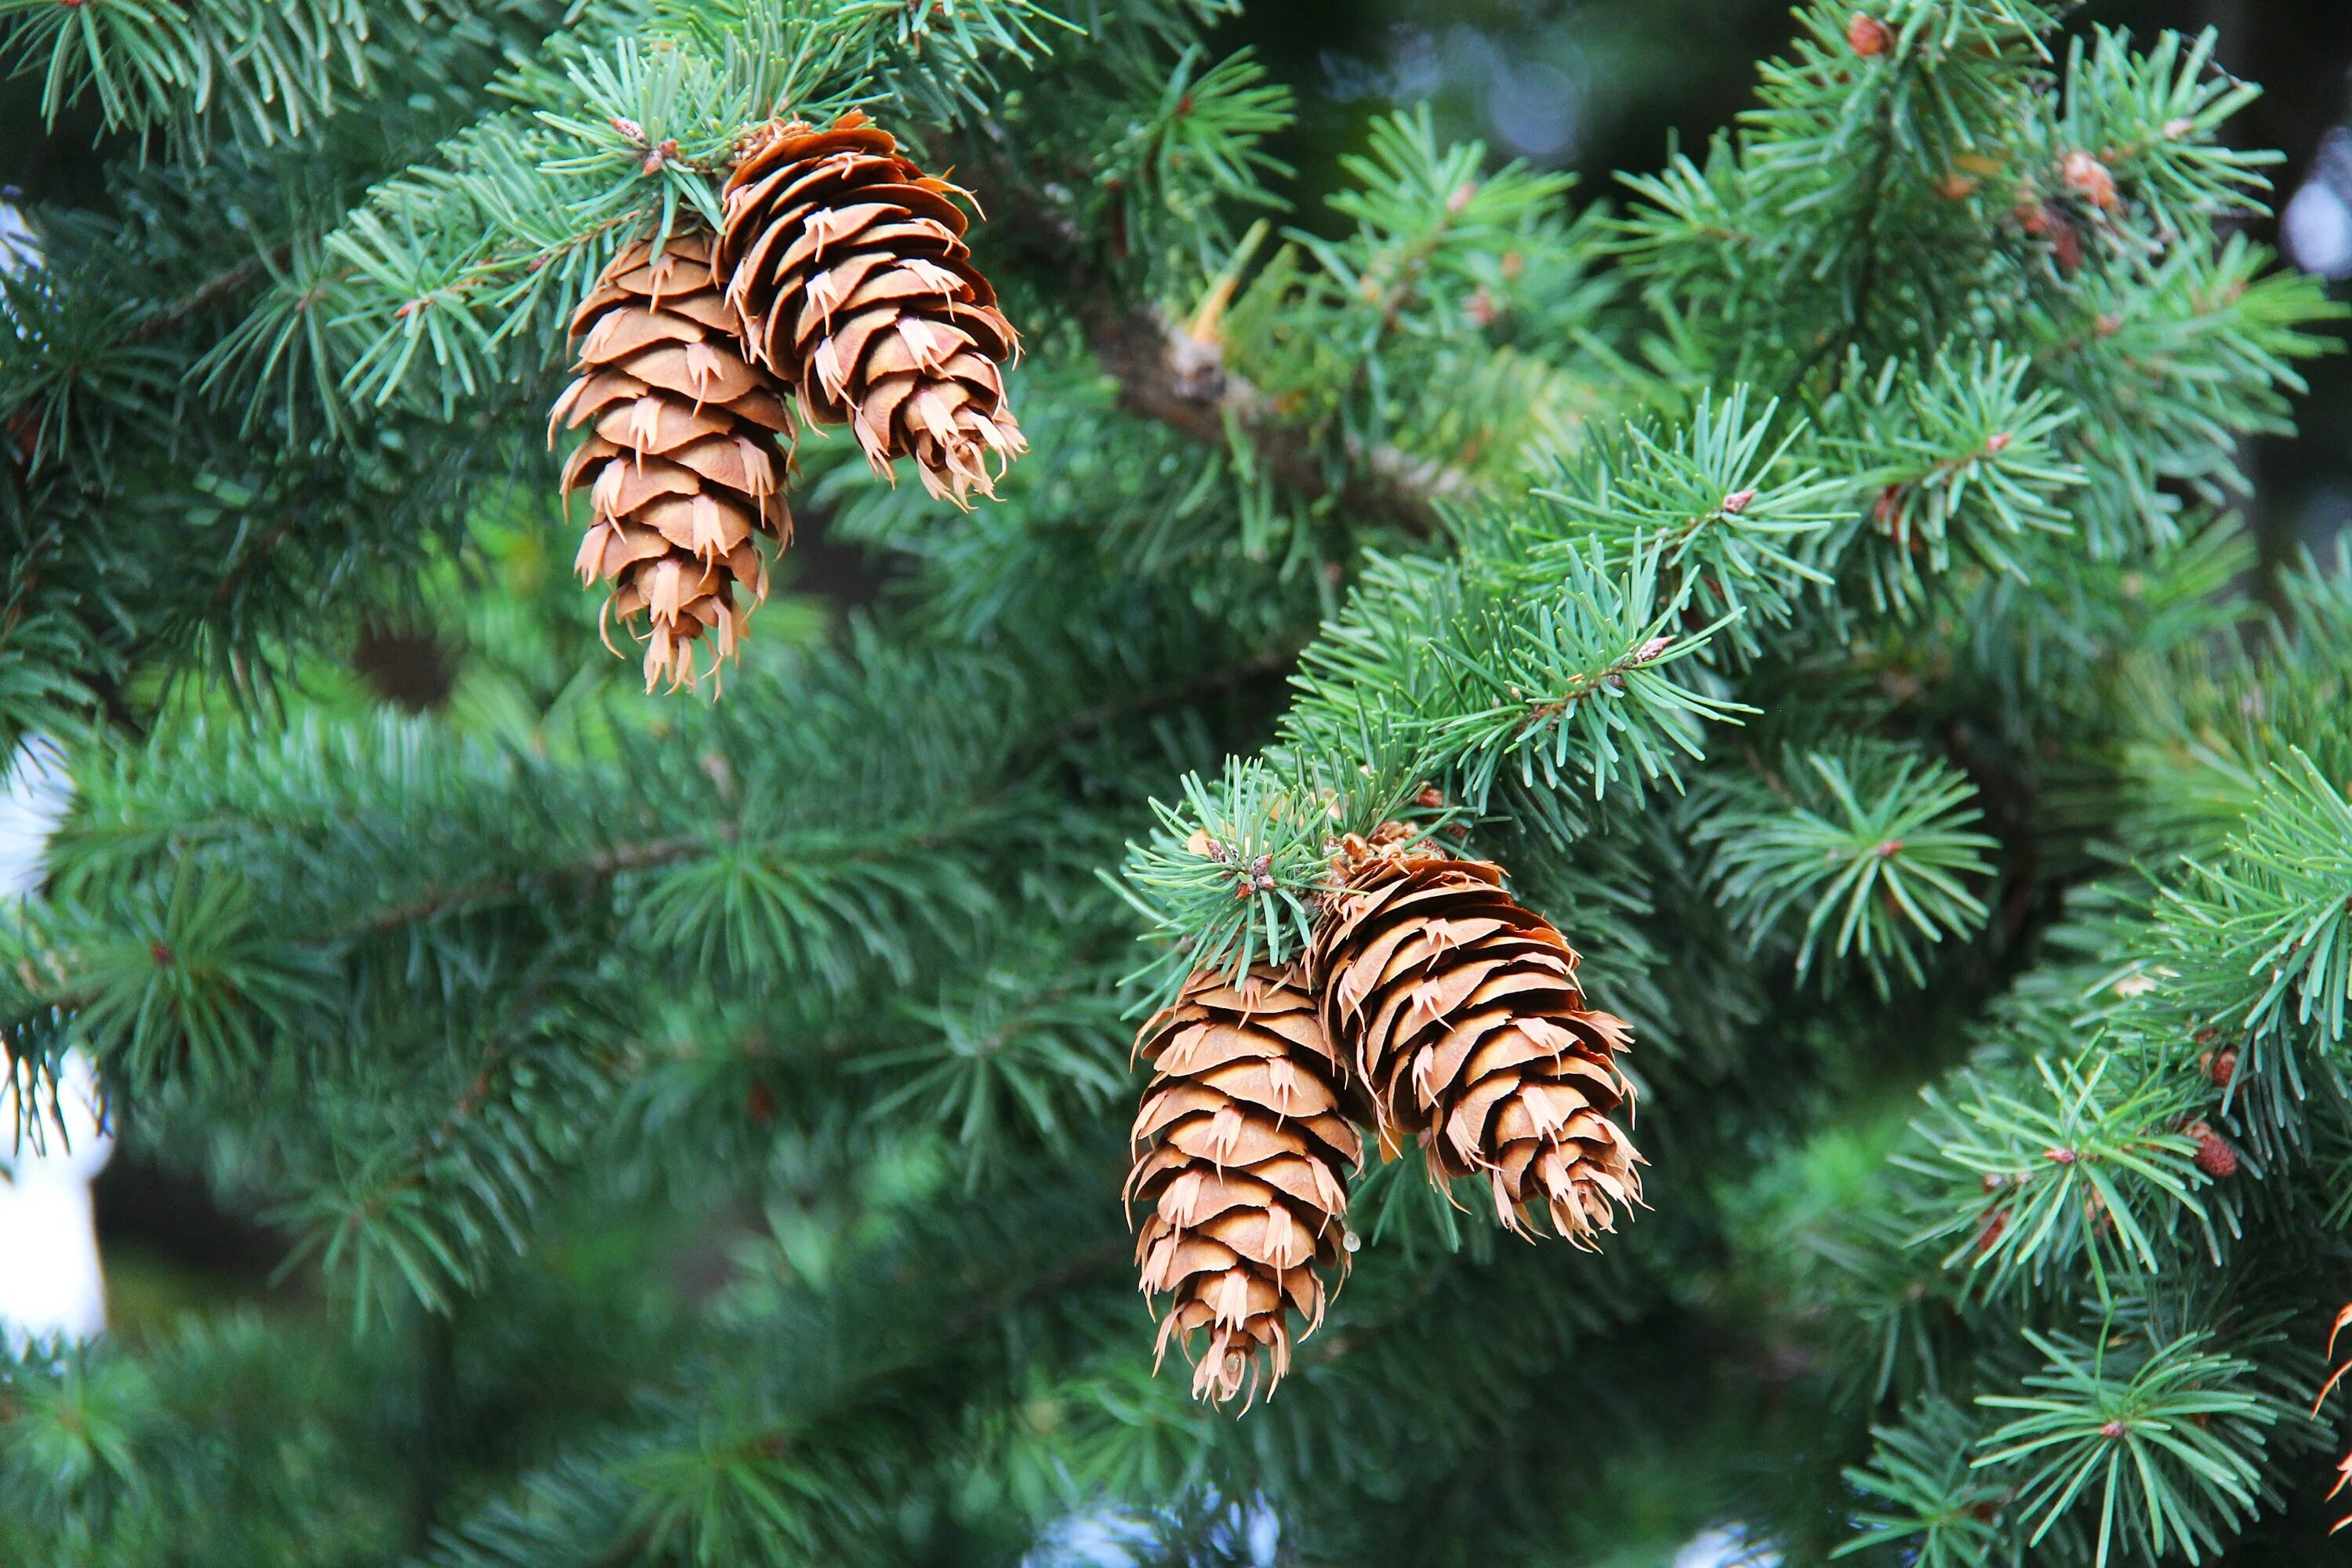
2343, 1466
1459, 1011
683, 464
849, 266
1243, 1143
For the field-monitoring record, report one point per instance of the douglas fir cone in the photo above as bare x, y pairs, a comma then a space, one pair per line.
1459, 1012
682, 464
848, 262
1243, 1140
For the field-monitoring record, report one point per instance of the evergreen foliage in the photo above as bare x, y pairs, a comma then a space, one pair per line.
1811, 573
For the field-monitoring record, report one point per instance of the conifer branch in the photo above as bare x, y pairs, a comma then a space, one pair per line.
1168, 375
831, 968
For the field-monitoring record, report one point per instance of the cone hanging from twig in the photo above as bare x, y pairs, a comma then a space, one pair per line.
1242, 1143
2344, 1467
1459, 1012
849, 266
682, 463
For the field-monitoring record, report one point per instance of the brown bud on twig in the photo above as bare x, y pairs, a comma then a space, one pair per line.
1866, 36
2215, 1155
2088, 178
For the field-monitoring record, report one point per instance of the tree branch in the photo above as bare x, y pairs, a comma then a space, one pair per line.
203, 297
627, 858
1276, 660
1168, 376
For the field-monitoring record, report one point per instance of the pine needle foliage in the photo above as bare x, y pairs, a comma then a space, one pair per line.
692, 1133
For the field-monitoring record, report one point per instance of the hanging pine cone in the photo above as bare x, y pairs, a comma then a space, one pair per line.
850, 266
682, 462
2344, 1467
1243, 1141
1459, 1012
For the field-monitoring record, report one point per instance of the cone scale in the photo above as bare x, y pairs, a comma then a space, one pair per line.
683, 461
1241, 1147
1458, 1012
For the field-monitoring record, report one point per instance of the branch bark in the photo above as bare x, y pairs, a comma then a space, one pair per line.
1168, 376
212, 292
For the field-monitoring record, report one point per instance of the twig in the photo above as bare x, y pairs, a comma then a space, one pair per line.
203, 297
1168, 376
490, 889
1866, 283
980, 1314
1274, 660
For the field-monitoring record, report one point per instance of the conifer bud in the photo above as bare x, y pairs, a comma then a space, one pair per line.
1866, 36
2088, 178
2215, 1155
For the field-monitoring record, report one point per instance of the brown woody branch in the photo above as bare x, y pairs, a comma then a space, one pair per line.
1167, 374
1172, 377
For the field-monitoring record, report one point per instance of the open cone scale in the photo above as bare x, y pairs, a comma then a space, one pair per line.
1242, 1146
683, 463
1458, 1011
2343, 1466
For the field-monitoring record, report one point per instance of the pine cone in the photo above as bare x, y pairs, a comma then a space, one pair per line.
682, 462
848, 264
1243, 1141
1459, 1012
2344, 1467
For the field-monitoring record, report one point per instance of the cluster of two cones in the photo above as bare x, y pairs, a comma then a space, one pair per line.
839, 287
1433, 1007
